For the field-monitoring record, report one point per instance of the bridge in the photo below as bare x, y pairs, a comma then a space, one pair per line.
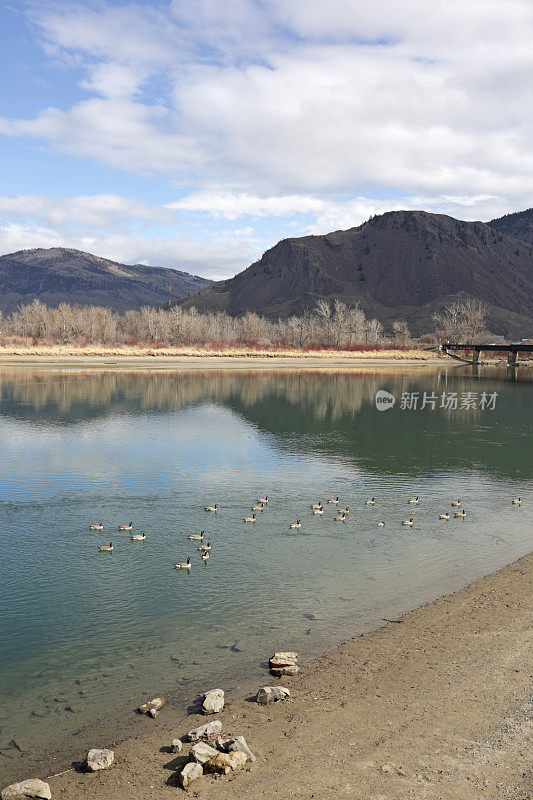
512, 351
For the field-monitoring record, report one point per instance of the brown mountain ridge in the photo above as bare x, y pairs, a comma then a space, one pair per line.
57, 274
406, 264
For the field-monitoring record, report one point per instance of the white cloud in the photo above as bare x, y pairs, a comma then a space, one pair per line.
319, 114
88, 210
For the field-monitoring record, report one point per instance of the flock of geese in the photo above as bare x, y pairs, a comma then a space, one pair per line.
261, 504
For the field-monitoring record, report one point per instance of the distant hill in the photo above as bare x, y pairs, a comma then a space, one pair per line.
401, 264
58, 274
519, 225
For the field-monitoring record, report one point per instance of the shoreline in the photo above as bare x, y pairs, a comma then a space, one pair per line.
378, 699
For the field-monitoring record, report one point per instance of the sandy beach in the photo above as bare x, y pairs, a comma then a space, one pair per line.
436, 706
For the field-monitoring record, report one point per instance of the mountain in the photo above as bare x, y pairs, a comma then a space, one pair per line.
58, 274
400, 264
519, 225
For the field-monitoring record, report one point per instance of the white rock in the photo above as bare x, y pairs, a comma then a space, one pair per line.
238, 745
99, 759
202, 752
283, 659
225, 762
156, 704
267, 694
209, 729
176, 746
189, 773
290, 669
213, 701
30, 788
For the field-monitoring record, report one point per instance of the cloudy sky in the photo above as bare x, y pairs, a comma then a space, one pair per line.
197, 133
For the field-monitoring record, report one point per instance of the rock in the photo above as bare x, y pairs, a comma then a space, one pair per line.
290, 669
213, 701
189, 773
220, 743
209, 729
284, 659
30, 788
239, 647
157, 703
202, 752
176, 746
267, 694
225, 762
99, 759
153, 712
238, 745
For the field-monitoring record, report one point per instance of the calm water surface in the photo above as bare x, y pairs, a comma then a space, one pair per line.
85, 636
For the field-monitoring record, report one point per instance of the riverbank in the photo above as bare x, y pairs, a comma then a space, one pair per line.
438, 705
195, 357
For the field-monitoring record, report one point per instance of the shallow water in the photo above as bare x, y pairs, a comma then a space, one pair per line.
85, 636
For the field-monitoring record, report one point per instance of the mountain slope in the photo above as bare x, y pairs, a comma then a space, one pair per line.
519, 225
400, 264
59, 274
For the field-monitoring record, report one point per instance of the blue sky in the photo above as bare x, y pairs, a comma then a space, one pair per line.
196, 134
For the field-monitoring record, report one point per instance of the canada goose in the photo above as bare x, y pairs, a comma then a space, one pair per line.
183, 564
139, 537
106, 548
212, 509
408, 521
456, 503
460, 513
125, 527
196, 537
340, 517
344, 510
317, 505
263, 500
99, 527
414, 500
381, 524
204, 547
205, 556
250, 519
258, 508
318, 510
336, 501
517, 501
371, 501
444, 516
296, 524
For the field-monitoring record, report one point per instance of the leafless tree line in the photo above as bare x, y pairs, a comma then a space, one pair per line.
331, 324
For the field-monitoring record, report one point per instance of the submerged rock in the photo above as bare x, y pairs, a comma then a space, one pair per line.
189, 773
202, 752
223, 763
213, 701
30, 788
268, 694
209, 729
98, 759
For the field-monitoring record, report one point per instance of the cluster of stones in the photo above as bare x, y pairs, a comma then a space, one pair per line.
284, 663
211, 753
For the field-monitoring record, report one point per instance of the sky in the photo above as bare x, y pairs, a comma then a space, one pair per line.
195, 134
